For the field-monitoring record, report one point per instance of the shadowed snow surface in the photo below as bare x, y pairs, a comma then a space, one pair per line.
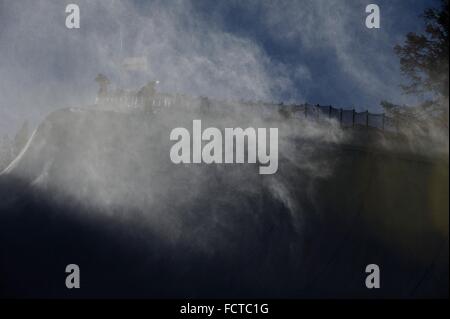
97, 188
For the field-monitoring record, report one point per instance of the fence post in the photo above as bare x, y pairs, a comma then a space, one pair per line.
367, 118
340, 116
382, 121
306, 111
329, 112
353, 117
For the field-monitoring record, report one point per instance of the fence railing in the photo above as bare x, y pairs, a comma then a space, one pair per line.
346, 117
136, 101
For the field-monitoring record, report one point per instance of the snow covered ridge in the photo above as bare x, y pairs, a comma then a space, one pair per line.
94, 143
14, 163
108, 157
114, 167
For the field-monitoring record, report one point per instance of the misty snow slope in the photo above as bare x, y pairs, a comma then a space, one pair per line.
97, 188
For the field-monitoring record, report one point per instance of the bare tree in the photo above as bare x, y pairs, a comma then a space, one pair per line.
424, 57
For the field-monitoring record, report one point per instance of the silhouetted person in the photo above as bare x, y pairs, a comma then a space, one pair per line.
103, 82
147, 93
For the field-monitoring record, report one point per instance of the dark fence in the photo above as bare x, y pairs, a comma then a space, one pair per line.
347, 118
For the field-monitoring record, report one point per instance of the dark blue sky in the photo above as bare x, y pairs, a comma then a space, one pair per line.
330, 85
318, 51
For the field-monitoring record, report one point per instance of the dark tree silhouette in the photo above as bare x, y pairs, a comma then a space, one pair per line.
424, 57
424, 60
